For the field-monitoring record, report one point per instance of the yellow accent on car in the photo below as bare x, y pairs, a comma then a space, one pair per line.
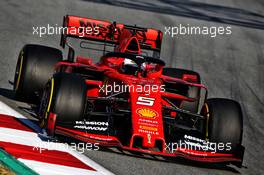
20, 70
50, 98
207, 120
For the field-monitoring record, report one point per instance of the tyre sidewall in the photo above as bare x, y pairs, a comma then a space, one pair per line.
225, 122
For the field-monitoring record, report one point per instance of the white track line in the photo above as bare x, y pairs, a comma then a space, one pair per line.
33, 139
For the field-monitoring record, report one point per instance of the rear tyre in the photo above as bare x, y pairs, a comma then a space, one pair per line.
193, 92
65, 96
225, 122
35, 66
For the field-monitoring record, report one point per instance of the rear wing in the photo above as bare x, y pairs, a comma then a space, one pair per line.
108, 32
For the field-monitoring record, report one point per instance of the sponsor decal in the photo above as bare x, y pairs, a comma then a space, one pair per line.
147, 121
91, 125
148, 128
148, 132
93, 128
147, 113
194, 138
147, 124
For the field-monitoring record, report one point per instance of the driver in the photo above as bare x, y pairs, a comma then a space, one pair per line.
129, 67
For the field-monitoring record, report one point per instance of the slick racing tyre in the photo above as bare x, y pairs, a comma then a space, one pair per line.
224, 122
35, 66
65, 96
193, 92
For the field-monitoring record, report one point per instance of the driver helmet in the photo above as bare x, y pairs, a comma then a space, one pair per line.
129, 67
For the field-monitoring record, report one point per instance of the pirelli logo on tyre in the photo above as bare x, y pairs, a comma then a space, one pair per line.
147, 113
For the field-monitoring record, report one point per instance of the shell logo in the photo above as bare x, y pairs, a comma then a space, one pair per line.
146, 112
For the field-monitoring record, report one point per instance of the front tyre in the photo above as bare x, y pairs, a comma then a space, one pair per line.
65, 96
35, 66
224, 122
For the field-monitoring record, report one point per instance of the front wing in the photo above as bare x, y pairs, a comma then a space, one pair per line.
234, 157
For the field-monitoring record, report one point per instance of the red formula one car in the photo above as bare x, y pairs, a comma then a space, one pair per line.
128, 99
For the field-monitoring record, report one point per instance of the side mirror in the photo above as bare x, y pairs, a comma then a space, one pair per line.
71, 54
